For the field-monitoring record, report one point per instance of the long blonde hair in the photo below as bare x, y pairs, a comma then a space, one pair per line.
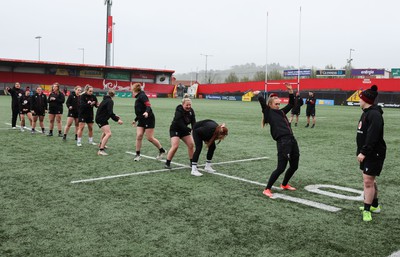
136, 88
220, 133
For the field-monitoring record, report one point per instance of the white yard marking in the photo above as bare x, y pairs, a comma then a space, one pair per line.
183, 166
124, 175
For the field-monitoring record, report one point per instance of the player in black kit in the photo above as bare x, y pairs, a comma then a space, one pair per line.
208, 131
288, 150
16, 92
85, 114
73, 111
371, 149
105, 111
56, 100
298, 102
39, 108
310, 111
25, 109
184, 116
145, 122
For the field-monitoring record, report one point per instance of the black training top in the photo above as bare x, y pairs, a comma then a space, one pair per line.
73, 100
57, 102
25, 103
205, 129
182, 119
279, 124
310, 102
142, 105
105, 111
298, 102
39, 103
370, 140
86, 109
16, 94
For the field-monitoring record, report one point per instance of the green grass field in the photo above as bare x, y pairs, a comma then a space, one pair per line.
171, 213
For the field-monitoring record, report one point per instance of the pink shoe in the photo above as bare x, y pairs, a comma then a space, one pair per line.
268, 193
288, 187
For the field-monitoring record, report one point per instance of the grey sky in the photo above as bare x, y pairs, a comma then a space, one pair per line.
172, 34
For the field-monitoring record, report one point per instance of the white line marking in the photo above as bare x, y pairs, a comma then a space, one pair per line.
154, 158
18, 126
308, 202
124, 175
182, 166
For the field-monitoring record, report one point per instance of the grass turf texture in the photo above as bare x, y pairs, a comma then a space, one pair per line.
175, 214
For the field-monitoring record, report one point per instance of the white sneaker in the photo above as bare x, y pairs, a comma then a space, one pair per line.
79, 144
209, 169
160, 156
14, 128
22, 129
137, 158
196, 173
102, 153
92, 143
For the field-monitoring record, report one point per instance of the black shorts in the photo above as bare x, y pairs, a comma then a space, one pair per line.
55, 110
85, 119
148, 123
39, 114
295, 111
310, 112
73, 114
372, 167
101, 123
178, 133
24, 112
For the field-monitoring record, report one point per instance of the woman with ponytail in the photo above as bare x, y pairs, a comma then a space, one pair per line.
208, 131
281, 132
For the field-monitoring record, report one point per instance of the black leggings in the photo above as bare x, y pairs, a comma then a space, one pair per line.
198, 141
288, 151
15, 113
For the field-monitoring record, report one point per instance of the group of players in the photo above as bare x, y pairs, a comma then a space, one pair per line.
371, 147
80, 107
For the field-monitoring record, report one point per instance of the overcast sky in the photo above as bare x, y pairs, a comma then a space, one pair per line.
171, 34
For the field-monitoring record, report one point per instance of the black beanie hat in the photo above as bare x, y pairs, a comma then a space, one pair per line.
369, 95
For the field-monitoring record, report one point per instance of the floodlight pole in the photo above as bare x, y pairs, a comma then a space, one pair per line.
83, 54
108, 32
206, 55
349, 61
38, 38
113, 35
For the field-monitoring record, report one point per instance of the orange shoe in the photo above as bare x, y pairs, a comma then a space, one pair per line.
288, 187
268, 193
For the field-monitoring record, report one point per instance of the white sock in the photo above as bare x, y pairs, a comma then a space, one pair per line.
90, 139
79, 140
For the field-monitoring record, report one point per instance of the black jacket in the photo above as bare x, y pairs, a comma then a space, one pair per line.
142, 105
16, 94
25, 103
310, 102
370, 140
85, 109
73, 100
279, 124
105, 110
182, 119
58, 101
39, 103
205, 129
298, 102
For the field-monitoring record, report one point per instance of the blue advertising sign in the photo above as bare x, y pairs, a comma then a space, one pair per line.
367, 72
294, 73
